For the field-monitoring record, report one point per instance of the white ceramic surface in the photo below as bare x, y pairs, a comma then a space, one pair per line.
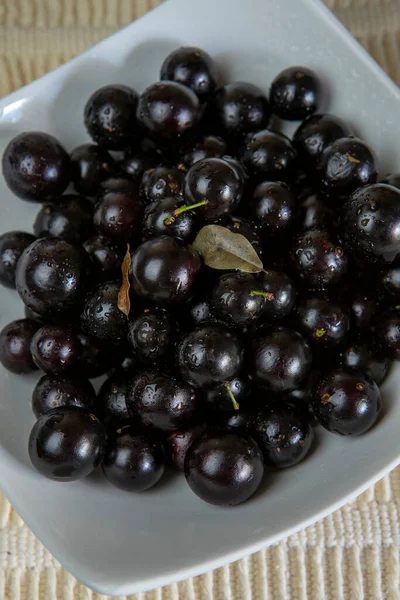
119, 543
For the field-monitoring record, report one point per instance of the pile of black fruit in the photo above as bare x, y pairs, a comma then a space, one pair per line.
236, 286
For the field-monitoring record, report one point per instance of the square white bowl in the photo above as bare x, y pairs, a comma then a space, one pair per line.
115, 542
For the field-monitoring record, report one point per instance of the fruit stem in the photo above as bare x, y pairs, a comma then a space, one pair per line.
267, 295
231, 396
182, 209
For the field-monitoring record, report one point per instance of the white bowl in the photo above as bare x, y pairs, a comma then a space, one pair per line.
121, 543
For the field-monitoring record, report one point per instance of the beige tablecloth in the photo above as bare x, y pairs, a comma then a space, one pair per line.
351, 555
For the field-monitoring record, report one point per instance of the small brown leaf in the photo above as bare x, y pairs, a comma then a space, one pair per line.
124, 302
221, 249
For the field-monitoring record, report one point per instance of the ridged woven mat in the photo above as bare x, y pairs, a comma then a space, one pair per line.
351, 555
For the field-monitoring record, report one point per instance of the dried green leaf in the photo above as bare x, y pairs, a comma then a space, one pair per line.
224, 250
124, 301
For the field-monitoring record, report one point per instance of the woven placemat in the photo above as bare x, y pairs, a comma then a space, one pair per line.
351, 555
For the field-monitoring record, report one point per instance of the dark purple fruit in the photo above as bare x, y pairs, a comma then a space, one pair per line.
90, 166
208, 146
169, 111
110, 117
315, 213
283, 436
133, 461
12, 244
346, 402
193, 68
273, 207
362, 356
390, 278
36, 166
119, 184
388, 335
15, 345
162, 401
161, 182
162, 217
55, 349
227, 397
280, 294
239, 108
318, 258
178, 443
280, 359
237, 299
363, 308
101, 317
347, 164
315, 134
118, 216
370, 224
209, 355
136, 162
106, 256
67, 444
111, 403
55, 391
164, 269
69, 217
52, 276
213, 188
323, 322
295, 93
94, 357
152, 334
224, 468
269, 156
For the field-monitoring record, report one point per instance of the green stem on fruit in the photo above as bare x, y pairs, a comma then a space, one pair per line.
231, 396
268, 295
182, 209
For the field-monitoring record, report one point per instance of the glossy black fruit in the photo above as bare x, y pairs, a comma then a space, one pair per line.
161, 182
67, 444
106, 256
295, 93
15, 344
162, 401
283, 436
95, 358
363, 307
55, 349
55, 391
224, 468
178, 443
136, 162
370, 224
390, 278
315, 134
162, 217
90, 165
316, 213
347, 164
192, 67
164, 269
273, 207
119, 184
152, 334
199, 311
69, 217
169, 111
133, 461
279, 359
238, 299
228, 397
52, 276
209, 355
208, 146
319, 259
269, 156
110, 117
239, 108
324, 323
36, 166
388, 335
280, 294
346, 402
214, 187
361, 355
118, 216
111, 403
101, 317
12, 244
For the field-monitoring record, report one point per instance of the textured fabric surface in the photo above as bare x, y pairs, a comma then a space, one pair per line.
351, 555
